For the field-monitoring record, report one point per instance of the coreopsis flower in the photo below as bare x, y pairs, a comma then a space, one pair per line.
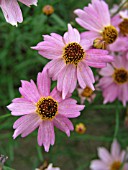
86, 94
48, 10
96, 18
44, 109
80, 128
12, 11
110, 161
114, 83
71, 58
120, 21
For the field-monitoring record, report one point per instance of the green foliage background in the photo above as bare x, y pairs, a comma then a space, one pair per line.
19, 62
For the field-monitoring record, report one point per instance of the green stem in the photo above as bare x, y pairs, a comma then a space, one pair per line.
4, 116
117, 122
120, 7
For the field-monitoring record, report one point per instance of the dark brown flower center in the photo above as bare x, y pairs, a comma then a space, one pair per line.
120, 76
73, 53
47, 108
109, 34
124, 26
87, 92
116, 165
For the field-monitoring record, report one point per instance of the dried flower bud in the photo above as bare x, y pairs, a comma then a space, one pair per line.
48, 10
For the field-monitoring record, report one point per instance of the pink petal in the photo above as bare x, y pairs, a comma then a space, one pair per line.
104, 155
55, 67
69, 80
63, 123
12, 11
110, 93
46, 135
90, 36
56, 95
70, 109
72, 35
107, 71
85, 76
29, 2
98, 165
21, 108
44, 83
115, 149
29, 91
24, 123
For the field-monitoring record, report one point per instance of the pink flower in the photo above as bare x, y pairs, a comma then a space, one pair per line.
50, 167
44, 109
96, 19
114, 83
12, 11
71, 59
110, 161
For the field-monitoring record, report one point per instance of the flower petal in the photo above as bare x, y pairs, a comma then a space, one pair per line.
44, 83
29, 91
84, 76
46, 134
63, 123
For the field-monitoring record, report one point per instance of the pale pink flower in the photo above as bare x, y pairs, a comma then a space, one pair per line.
50, 167
114, 83
71, 59
44, 109
96, 18
110, 161
12, 11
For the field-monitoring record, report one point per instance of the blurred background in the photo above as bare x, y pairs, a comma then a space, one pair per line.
19, 62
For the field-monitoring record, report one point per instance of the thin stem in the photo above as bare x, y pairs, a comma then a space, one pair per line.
120, 7
117, 122
4, 116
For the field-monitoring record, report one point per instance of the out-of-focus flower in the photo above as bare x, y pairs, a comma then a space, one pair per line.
114, 83
86, 94
80, 128
44, 109
48, 10
2, 160
110, 161
96, 19
71, 58
12, 11
120, 21
50, 167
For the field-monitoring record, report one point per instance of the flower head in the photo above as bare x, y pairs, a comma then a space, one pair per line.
12, 11
110, 161
86, 94
71, 58
96, 19
80, 128
114, 82
44, 109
